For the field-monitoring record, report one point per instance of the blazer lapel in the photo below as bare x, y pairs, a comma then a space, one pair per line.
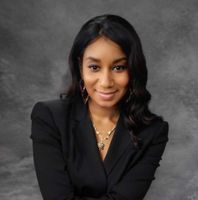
85, 132
120, 141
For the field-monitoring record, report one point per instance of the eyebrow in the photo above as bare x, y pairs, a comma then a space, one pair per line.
98, 60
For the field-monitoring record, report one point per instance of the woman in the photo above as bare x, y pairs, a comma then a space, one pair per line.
100, 140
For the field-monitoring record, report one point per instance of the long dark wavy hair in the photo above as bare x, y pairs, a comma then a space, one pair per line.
135, 111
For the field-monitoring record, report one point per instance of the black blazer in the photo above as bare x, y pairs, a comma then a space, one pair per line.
68, 163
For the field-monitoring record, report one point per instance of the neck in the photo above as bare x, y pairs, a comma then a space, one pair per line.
100, 113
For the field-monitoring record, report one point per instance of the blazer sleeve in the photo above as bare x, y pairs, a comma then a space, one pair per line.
137, 180
51, 169
50, 166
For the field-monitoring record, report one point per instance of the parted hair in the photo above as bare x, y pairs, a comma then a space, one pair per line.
134, 106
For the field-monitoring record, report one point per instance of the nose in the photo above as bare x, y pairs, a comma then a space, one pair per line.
106, 80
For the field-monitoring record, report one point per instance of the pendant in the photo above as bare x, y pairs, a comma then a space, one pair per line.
101, 145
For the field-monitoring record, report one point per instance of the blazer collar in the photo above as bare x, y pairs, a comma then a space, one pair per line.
86, 135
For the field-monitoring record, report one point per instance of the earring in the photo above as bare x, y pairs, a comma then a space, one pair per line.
130, 95
84, 93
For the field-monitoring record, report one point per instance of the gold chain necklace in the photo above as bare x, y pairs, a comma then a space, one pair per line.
101, 143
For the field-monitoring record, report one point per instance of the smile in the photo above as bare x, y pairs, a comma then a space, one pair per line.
106, 95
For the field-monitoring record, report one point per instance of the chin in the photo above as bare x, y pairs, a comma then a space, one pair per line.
107, 104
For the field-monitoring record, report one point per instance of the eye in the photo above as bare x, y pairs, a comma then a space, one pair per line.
93, 67
119, 67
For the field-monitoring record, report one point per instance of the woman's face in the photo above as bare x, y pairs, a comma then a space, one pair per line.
105, 73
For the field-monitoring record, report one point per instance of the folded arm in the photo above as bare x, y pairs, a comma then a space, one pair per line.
51, 168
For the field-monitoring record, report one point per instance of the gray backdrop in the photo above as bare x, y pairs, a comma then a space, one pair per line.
35, 38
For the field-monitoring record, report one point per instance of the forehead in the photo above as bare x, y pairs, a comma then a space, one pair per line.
103, 48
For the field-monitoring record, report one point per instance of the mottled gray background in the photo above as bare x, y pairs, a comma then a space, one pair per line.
35, 38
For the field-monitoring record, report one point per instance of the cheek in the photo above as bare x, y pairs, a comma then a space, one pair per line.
89, 81
123, 81
87, 78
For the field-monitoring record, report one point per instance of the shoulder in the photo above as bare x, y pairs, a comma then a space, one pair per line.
156, 132
160, 129
49, 119
54, 107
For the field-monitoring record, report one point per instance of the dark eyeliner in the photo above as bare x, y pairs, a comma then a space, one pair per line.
92, 67
122, 67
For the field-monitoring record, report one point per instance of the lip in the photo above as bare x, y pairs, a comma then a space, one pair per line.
106, 92
106, 95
